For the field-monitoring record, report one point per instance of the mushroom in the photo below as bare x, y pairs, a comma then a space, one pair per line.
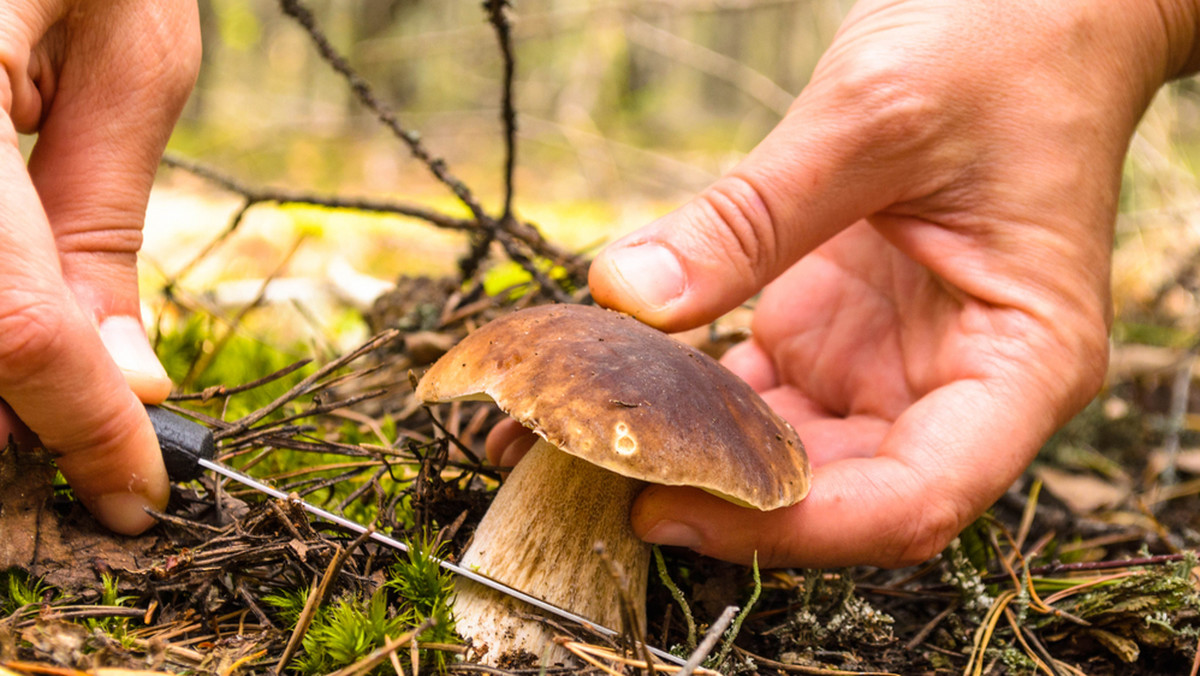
616, 405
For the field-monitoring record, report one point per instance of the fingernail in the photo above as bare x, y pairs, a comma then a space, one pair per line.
126, 343
651, 273
124, 513
673, 534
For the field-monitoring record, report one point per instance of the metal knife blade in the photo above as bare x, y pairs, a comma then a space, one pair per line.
179, 436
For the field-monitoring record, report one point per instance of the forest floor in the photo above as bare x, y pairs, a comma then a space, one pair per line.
1085, 566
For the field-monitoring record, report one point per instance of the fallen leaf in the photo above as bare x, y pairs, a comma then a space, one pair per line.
1186, 460
1125, 649
1082, 493
64, 549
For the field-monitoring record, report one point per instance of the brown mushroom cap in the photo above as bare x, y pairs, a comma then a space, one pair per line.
606, 388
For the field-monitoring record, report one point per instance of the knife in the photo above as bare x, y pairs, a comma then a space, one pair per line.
188, 450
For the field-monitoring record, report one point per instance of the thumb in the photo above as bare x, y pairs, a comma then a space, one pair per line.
841, 154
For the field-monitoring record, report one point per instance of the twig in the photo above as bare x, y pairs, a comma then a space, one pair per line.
519, 232
983, 635
925, 631
303, 386
365, 95
1034, 647
223, 391
709, 641
182, 522
497, 11
633, 627
593, 653
802, 669
259, 195
319, 591
315, 411
1027, 516
1114, 564
505, 231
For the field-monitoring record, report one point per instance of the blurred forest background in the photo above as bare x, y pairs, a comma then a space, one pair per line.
625, 109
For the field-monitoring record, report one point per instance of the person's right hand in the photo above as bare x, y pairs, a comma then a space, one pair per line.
101, 82
934, 217
934, 220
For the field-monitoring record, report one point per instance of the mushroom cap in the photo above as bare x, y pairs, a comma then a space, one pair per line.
610, 390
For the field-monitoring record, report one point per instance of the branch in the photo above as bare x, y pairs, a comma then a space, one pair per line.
362, 90
508, 231
498, 17
257, 195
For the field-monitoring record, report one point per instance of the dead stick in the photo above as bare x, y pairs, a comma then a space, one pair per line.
930, 626
315, 599
256, 195
708, 642
303, 386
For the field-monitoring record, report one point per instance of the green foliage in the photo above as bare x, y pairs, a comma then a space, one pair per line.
1151, 608
110, 595
237, 25
18, 590
195, 359
288, 604
426, 591
345, 632
973, 541
1157, 593
511, 278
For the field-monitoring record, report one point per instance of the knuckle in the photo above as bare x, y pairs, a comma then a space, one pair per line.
169, 52
926, 537
890, 107
30, 334
100, 232
747, 225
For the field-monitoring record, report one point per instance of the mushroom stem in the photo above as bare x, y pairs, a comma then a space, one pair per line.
539, 536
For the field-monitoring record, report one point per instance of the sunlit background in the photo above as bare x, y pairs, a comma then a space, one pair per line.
626, 108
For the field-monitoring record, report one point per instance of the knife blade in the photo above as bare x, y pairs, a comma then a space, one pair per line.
188, 449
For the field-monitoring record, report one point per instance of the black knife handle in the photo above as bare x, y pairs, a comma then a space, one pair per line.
183, 443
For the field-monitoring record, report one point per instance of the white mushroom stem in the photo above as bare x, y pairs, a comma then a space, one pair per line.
539, 536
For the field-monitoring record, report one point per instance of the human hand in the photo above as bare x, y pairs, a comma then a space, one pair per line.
101, 82
936, 213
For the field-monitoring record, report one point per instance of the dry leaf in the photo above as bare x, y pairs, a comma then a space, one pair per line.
1082, 493
1187, 460
63, 550
1126, 649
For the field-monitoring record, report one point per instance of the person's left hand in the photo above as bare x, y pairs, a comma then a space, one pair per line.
101, 83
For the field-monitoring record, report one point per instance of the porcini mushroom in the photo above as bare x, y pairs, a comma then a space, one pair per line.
616, 404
